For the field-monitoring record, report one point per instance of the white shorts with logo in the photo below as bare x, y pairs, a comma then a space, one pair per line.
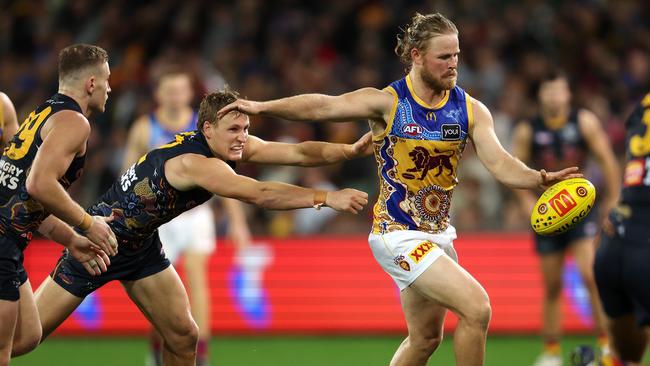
405, 254
192, 231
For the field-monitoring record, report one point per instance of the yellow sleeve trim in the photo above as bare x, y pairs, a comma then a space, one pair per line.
391, 117
470, 112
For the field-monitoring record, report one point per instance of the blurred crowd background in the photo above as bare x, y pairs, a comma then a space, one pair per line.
272, 49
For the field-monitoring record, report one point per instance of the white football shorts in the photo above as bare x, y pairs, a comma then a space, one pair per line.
405, 254
191, 231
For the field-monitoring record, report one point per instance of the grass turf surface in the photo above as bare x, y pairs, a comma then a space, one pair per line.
283, 350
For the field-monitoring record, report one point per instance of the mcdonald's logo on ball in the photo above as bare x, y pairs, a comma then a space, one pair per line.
562, 206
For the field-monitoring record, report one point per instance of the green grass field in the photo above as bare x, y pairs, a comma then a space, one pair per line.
285, 351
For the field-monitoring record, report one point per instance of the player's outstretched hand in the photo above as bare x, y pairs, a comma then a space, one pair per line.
242, 105
348, 200
362, 147
83, 250
101, 235
547, 179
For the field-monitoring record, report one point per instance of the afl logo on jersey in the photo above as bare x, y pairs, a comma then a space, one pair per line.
412, 129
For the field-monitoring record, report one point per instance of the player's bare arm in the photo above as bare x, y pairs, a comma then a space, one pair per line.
191, 170
92, 257
9, 117
601, 148
365, 103
308, 153
522, 138
503, 166
136, 143
64, 137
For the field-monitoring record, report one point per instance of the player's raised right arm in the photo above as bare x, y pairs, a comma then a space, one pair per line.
365, 103
506, 168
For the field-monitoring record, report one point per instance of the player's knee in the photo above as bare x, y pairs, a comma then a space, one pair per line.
480, 314
424, 344
430, 344
182, 340
26, 343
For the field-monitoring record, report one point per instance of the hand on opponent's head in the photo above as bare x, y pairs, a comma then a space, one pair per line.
241, 105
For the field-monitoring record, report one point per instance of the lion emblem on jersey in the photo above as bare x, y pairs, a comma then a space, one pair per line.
424, 162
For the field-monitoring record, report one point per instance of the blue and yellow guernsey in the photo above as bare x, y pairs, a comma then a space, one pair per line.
417, 156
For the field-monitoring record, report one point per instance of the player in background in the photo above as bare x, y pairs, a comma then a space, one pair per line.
421, 124
622, 265
51, 146
8, 120
192, 234
558, 137
170, 180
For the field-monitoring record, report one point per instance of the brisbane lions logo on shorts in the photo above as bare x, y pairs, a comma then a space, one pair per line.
401, 261
424, 162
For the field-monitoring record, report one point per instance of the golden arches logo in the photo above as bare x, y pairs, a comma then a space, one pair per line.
562, 202
431, 116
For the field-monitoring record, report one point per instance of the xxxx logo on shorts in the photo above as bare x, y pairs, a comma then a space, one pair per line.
421, 250
401, 261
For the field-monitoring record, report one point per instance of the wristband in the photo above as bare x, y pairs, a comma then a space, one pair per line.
86, 222
319, 199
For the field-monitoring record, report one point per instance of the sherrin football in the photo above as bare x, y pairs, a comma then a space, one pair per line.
562, 206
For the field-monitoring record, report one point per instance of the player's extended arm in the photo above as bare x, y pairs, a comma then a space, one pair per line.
65, 138
601, 148
136, 143
308, 153
503, 166
238, 229
10, 119
365, 103
192, 170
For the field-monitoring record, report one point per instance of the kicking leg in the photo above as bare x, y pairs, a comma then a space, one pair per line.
450, 285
